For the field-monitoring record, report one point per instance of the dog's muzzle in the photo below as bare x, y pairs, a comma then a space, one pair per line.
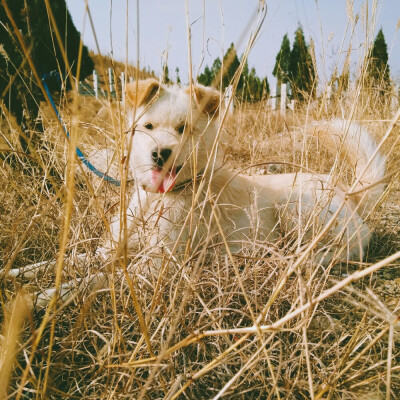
160, 157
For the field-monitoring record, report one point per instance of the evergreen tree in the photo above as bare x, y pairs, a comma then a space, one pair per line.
254, 88
302, 72
165, 77
378, 68
243, 84
31, 18
243, 87
265, 88
178, 79
206, 78
18, 98
250, 87
231, 64
245, 71
45, 49
216, 71
282, 64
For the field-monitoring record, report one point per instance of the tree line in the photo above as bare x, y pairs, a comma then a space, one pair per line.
250, 87
296, 65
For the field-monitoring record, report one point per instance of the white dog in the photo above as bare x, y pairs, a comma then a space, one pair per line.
185, 195
186, 199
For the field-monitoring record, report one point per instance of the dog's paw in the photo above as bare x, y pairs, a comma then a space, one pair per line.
31, 270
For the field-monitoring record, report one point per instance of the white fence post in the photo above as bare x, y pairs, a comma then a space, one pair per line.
228, 95
122, 86
283, 99
273, 98
95, 83
111, 81
131, 79
328, 95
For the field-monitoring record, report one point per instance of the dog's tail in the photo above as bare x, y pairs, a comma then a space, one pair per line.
355, 144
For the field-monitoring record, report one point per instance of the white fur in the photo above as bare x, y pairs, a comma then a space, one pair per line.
247, 208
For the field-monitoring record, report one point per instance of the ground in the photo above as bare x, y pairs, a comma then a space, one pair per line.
178, 332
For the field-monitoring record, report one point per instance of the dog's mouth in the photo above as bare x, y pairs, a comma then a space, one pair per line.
163, 181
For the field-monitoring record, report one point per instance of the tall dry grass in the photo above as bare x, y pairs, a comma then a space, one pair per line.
258, 324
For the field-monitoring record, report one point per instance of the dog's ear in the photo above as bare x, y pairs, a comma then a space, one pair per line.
140, 93
207, 99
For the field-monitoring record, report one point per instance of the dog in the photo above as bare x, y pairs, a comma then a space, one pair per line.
184, 192
185, 199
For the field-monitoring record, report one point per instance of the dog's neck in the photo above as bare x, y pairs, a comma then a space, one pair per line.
188, 182
185, 184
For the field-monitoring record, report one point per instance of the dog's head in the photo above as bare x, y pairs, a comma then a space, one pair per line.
173, 132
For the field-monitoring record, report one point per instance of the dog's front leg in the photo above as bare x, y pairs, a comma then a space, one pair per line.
32, 270
134, 219
136, 215
68, 291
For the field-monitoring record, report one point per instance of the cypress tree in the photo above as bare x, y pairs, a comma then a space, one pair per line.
243, 84
21, 94
254, 88
265, 88
46, 51
31, 18
178, 79
282, 64
206, 78
301, 71
165, 77
216, 71
250, 87
230, 70
378, 68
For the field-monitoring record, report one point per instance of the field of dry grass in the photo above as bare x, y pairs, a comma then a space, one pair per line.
251, 326
259, 324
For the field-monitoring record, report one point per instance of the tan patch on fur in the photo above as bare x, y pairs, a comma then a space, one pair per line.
140, 93
207, 99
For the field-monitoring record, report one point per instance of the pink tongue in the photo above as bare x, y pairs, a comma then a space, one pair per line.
164, 182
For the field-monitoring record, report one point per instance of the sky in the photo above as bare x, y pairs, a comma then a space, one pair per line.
160, 35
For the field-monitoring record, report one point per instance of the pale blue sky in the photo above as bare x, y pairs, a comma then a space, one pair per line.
217, 23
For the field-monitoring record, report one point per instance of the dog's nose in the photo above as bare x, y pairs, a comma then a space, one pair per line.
160, 157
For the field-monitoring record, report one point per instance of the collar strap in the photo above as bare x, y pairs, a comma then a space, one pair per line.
185, 184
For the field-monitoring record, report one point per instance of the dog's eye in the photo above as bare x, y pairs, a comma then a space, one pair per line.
181, 128
148, 126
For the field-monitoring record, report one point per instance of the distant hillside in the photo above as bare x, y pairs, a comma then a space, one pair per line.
104, 62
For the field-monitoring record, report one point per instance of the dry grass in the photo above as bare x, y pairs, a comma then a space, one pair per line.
195, 313
258, 325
